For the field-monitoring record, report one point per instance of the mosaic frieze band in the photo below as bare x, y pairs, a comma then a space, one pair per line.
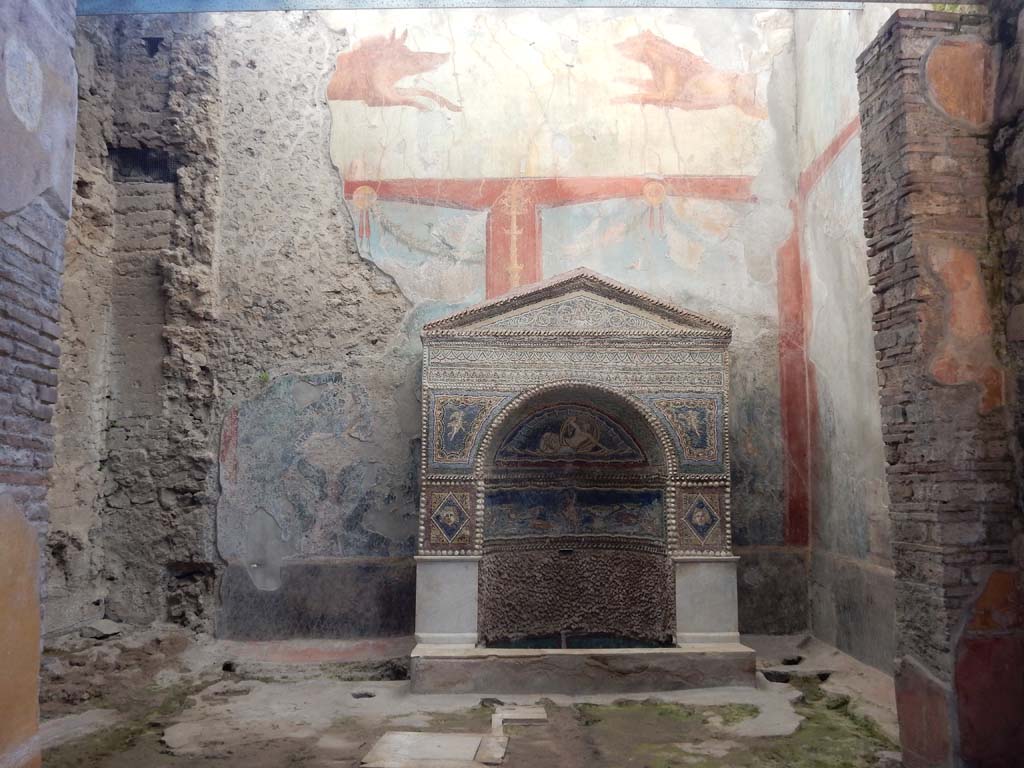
579, 312
483, 367
518, 513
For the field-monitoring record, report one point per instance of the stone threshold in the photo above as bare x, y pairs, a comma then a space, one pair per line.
439, 668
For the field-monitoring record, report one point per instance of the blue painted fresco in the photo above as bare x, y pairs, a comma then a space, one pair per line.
574, 512
696, 424
571, 434
457, 421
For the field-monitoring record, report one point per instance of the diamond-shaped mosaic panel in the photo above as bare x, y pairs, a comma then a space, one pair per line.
450, 516
701, 517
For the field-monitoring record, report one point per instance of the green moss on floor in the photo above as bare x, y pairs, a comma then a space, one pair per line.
655, 734
736, 713
473, 720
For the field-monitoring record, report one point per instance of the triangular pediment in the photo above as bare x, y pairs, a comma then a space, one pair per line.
577, 303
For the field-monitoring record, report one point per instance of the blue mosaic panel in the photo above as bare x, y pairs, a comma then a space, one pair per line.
527, 512
696, 424
456, 425
701, 517
451, 515
569, 434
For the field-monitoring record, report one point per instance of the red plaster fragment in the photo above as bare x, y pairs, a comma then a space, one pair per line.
960, 76
964, 353
923, 703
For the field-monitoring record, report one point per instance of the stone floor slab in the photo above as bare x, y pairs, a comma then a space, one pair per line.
59, 730
492, 750
405, 749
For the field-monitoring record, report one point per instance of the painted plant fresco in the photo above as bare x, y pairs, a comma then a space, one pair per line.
494, 117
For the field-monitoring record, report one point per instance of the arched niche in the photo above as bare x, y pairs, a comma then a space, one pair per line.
575, 499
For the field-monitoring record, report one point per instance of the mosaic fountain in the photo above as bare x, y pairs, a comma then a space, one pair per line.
574, 529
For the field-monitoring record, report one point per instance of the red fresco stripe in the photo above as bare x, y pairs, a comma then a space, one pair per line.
797, 378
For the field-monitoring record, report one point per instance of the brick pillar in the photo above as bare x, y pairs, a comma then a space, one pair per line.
926, 100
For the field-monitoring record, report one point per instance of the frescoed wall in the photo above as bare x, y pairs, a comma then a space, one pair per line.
482, 151
342, 177
852, 595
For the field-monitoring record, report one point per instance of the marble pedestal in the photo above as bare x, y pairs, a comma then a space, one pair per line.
706, 603
446, 600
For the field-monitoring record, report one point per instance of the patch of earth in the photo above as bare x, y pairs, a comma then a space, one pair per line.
85, 674
383, 669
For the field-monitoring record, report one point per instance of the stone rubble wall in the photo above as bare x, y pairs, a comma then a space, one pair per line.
211, 255
133, 537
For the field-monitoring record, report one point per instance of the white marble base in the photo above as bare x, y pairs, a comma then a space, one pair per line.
706, 607
446, 600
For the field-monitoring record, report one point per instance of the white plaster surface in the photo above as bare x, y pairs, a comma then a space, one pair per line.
37, 105
58, 730
398, 749
851, 578
534, 93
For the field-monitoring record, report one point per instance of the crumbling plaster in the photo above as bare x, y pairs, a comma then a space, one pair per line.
203, 297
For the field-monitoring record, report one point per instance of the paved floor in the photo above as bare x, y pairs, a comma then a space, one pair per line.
295, 703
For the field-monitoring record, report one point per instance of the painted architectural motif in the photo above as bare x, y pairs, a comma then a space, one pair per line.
616, 141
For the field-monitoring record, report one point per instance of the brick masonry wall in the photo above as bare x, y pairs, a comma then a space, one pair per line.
37, 123
926, 88
32, 249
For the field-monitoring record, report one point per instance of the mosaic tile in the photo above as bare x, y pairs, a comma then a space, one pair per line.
569, 434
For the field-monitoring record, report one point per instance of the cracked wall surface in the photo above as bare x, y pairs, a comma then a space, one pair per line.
213, 274
132, 537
